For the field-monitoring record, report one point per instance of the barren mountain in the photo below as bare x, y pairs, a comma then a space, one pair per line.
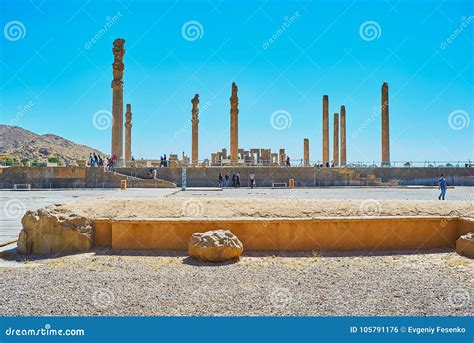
24, 144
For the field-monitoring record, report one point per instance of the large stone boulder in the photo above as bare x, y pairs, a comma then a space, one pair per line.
47, 231
465, 245
215, 246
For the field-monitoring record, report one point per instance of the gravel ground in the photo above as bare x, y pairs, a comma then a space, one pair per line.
131, 283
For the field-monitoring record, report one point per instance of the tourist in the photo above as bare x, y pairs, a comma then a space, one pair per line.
221, 181
165, 162
112, 163
233, 180
288, 163
237, 179
155, 172
96, 160
442, 187
226, 180
161, 161
252, 180
91, 160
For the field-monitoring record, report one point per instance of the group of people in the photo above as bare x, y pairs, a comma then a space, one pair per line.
234, 181
163, 161
96, 160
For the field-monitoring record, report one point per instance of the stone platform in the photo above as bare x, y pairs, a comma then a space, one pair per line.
261, 224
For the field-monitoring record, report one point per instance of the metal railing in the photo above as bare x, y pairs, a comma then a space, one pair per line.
295, 163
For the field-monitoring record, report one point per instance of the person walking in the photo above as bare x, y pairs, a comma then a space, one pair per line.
226, 180
252, 180
113, 160
221, 181
237, 179
442, 187
233, 180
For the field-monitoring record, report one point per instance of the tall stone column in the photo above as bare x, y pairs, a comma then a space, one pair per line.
128, 133
325, 130
336, 140
343, 135
385, 127
306, 152
234, 124
117, 100
195, 131
282, 156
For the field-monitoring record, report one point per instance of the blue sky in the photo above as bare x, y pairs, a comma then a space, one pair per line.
53, 79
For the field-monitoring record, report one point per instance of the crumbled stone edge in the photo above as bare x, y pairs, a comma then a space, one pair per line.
50, 231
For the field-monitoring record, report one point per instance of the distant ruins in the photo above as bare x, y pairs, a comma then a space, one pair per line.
236, 155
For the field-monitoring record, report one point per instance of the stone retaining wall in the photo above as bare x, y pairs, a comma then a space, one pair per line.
82, 177
315, 177
71, 177
335, 234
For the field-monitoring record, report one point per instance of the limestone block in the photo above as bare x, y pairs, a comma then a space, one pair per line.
46, 231
215, 246
465, 245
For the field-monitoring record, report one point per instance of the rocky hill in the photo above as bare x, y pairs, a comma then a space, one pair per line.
23, 144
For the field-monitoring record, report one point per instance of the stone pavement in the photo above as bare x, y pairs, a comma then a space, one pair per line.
14, 204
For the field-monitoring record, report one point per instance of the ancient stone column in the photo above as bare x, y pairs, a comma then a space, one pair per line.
336, 140
343, 135
282, 157
117, 100
325, 130
128, 133
234, 124
195, 131
306, 152
385, 127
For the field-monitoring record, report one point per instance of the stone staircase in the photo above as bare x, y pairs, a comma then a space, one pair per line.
354, 178
137, 182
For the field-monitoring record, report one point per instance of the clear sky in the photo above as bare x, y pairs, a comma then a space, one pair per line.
284, 56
